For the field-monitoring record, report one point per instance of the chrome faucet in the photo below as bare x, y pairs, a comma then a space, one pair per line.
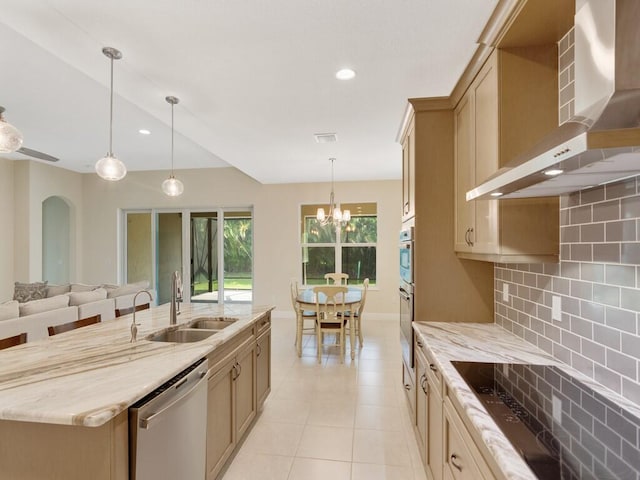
134, 325
176, 297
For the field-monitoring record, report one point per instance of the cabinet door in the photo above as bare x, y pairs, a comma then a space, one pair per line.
434, 433
263, 366
221, 437
409, 382
408, 174
422, 419
464, 174
485, 94
245, 382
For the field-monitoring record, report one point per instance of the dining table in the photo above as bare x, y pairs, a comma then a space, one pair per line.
306, 300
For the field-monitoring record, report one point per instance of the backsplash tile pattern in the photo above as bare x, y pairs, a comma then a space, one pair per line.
598, 283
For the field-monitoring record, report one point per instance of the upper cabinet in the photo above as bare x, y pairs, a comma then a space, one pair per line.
499, 116
408, 173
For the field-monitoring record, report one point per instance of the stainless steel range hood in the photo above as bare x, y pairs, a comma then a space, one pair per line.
600, 141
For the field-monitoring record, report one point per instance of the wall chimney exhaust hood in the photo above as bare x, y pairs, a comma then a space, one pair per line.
600, 140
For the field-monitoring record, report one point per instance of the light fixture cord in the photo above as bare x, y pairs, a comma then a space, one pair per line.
111, 113
172, 139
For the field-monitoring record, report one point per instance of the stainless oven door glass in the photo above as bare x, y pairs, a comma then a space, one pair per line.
406, 328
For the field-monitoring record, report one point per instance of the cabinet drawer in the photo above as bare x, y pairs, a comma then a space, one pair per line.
263, 324
462, 459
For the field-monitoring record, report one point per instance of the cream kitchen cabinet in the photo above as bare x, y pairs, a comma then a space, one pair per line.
263, 360
408, 174
429, 413
495, 120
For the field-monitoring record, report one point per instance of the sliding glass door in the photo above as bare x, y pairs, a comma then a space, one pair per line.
216, 245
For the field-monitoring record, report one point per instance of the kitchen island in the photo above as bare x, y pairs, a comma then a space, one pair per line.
461, 411
64, 400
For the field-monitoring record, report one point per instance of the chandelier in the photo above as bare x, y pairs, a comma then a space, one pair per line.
336, 216
172, 186
109, 167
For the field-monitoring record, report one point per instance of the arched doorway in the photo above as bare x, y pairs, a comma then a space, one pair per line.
56, 240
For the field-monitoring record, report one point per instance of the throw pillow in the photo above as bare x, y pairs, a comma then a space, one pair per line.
44, 305
82, 287
53, 290
80, 298
25, 292
9, 310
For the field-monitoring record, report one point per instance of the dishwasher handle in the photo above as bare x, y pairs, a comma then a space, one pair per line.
146, 422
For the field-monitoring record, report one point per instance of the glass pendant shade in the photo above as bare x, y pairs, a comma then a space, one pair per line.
172, 186
110, 168
10, 136
320, 214
336, 216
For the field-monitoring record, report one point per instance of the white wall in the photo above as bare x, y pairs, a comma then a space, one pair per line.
7, 231
276, 224
95, 213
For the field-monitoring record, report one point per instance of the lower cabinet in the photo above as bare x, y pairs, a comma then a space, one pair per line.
428, 413
239, 382
462, 459
447, 449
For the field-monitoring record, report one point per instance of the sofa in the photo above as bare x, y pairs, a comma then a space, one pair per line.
39, 305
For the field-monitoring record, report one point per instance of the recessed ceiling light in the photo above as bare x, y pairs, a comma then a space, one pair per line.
553, 172
496, 194
144, 131
345, 74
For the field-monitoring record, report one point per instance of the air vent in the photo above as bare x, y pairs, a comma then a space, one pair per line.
325, 137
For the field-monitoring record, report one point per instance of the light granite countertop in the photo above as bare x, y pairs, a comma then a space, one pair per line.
89, 375
491, 343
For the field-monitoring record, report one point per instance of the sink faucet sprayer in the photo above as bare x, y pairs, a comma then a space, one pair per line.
176, 297
134, 325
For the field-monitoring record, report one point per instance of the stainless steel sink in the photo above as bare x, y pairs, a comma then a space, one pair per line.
212, 323
181, 335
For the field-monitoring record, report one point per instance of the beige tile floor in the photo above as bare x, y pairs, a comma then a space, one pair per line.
331, 420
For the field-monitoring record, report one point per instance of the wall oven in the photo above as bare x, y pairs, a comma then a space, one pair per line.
406, 295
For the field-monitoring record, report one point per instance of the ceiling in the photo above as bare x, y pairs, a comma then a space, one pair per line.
255, 79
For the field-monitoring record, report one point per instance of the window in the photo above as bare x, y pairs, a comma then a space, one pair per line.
348, 249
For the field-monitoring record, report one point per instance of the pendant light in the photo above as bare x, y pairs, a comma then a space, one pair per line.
336, 216
172, 186
10, 136
109, 167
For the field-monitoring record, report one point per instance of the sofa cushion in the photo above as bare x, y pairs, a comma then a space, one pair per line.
43, 305
25, 292
53, 290
9, 310
80, 298
127, 289
82, 287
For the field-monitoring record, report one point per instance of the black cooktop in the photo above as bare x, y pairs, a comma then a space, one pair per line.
562, 428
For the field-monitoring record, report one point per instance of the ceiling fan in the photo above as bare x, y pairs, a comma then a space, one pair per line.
10, 138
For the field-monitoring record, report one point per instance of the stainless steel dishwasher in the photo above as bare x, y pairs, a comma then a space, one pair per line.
167, 429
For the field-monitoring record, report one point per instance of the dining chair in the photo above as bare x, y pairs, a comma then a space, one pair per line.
337, 278
66, 327
13, 341
306, 314
355, 318
330, 306
126, 311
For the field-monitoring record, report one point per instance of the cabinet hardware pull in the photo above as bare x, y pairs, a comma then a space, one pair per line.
454, 459
407, 386
471, 242
259, 350
239, 368
234, 374
466, 237
419, 343
432, 367
423, 384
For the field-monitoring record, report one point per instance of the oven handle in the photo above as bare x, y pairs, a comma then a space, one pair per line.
404, 294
